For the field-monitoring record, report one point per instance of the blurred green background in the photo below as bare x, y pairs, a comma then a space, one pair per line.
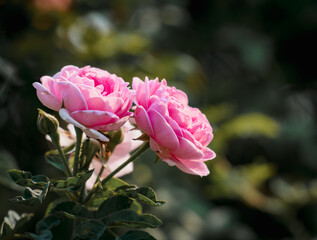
248, 65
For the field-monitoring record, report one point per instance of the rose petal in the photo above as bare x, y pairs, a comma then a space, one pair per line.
64, 114
188, 150
113, 103
193, 167
208, 154
92, 118
163, 133
72, 97
113, 126
46, 98
143, 121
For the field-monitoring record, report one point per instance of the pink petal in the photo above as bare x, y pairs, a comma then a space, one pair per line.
193, 167
136, 83
64, 114
163, 133
143, 121
50, 84
46, 98
188, 150
72, 97
113, 126
154, 146
175, 126
92, 118
113, 103
208, 154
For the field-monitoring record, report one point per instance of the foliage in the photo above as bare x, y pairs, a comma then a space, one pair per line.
111, 203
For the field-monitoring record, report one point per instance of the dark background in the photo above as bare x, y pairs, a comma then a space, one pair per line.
249, 65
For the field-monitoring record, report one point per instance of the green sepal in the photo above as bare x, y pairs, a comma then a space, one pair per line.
31, 197
71, 210
91, 229
130, 218
26, 179
137, 235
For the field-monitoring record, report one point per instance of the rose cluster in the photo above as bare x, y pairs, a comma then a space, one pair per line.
98, 102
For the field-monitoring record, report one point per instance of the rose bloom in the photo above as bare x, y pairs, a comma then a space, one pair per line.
179, 134
89, 98
120, 154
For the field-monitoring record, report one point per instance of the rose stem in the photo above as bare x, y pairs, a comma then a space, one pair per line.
137, 153
79, 136
61, 154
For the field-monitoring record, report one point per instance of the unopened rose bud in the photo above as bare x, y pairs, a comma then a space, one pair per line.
90, 148
48, 124
115, 138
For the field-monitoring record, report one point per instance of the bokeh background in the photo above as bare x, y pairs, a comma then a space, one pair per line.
249, 65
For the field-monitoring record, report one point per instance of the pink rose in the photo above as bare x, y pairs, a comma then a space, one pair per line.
92, 99
120, 154
179, 134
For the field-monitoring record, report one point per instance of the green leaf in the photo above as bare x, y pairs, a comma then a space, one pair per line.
26, 179
113, 204
137, 235
13, 222
52, 157
99, 198
71, 210
44, 226
47, 223
114, 183
144, 194
130, 218
45, 235
31, 197
76, 181
147, 195
91, 229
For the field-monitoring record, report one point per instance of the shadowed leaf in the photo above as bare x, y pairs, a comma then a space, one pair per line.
91, 229
130, 218
31, 197
113, 204
26, 179
137, 235
71, 210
